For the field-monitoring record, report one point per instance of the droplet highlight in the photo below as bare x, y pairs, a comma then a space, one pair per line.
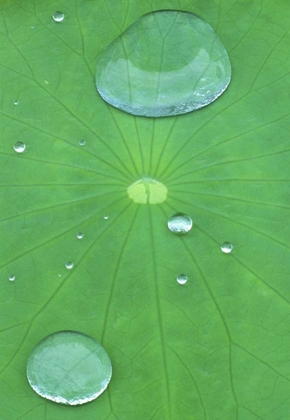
181, 279
69, 367
106, 217
227, 247
80, 235
19, 147
58, 16
69, 265
166, 63
15, 102
82, 142
179, 223
12, 278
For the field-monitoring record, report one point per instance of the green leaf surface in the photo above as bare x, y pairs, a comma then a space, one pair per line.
216, 348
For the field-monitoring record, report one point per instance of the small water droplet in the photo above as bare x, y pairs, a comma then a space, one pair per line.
82, 142
19, 147
11, 278
181, 278
15, 102
69, 265
106, 217
69, 367
59, 275
227, 247
80, 235
32, 27
58, 16
180, 223
168, 62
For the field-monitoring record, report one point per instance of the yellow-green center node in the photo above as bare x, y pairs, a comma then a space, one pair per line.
147, 190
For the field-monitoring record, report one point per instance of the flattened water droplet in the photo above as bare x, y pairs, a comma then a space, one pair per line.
166, 63
11, 278
80, 235
227, 247
19, 147
58, 16
179, 223
106, 217
15, 102
69, 367
69, 265
82, 142
181, 278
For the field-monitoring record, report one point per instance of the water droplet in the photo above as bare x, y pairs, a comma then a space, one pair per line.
32, 27
227, 247
106, 217
15, 102
179, 223
69, 265
11, 278
58, 16
82, 142
166, 63
181, 278
19, 147
80, 235
69, 367
59, 275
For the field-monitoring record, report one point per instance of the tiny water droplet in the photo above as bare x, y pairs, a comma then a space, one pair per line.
80, 235
15, 102
181, 278
19, 147
32, 27
227, 247
168, 62
82, 142
179, 223
69, 265
11, 278
58, 16
106, 217
69, 367
59, 275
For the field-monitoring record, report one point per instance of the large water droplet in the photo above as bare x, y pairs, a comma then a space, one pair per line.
181, 278
69, 367
179, 223
227, 247
58, 16
12, 278
69, 265
80, 235
166, 63
19, 147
